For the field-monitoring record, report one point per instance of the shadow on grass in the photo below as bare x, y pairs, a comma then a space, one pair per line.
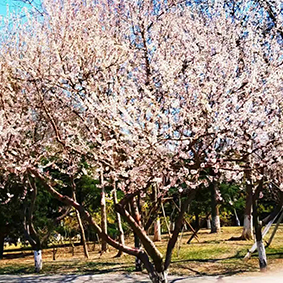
17, 255
93, 268
74, 278
87, 269
106, 267
16, 270
238, 255
228, 271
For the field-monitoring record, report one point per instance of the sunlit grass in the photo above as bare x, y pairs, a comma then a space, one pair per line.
212, 255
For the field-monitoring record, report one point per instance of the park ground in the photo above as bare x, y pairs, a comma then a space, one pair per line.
210, 259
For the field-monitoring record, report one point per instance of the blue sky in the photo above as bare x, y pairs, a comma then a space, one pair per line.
14, 6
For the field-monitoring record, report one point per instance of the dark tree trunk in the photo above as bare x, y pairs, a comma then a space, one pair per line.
258, 233
137, 217
197, 220
103, 215
80, 223
248, 223
178, 227
2, 237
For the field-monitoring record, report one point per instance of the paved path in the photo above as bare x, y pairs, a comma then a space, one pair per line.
128, 278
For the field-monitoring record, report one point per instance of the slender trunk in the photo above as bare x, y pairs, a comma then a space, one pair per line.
157, 230
197, 220
259, 240
165, 219
37, 260
237, 218
137, 217
30, 231
178, 227
215, 220
2, 237
138, 263
83, 238
248, 221
103, 215
119, 222
54, 252
275, 229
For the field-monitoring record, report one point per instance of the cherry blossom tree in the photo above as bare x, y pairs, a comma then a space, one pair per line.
150, 94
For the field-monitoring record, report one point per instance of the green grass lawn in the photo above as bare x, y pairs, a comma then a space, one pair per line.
212, 255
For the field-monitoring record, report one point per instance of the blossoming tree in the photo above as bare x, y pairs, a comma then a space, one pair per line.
150, 94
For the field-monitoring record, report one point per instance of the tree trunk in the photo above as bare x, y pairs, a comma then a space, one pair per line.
165, 219
215, 220
197, 220
103, 215
2, 237
172, 226
159, 269
178, 226
29, 230
138, 263
157, 230
119, 222
159, 277
137, 217
37, 260
261, 255
83, 238
247, 233
259, 240
208, 223
237, 218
